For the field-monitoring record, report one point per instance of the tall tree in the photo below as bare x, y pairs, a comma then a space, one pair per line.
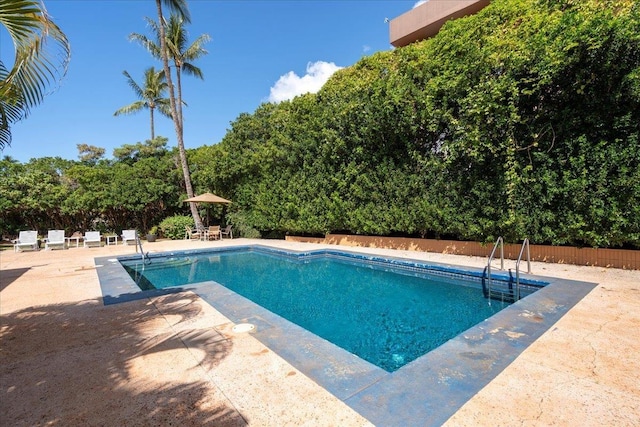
90, 154
180, 7
37, 63
150, 95
181, 54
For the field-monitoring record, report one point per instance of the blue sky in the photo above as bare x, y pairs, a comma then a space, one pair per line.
260, 51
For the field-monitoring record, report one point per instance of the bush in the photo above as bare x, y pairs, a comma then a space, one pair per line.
174, 227
241, 226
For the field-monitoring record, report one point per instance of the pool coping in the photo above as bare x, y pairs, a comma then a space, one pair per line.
450, 375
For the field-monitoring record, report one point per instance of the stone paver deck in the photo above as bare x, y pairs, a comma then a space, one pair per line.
67, 359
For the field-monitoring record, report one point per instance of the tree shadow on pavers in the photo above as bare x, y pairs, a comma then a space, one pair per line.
88, 364
9, 276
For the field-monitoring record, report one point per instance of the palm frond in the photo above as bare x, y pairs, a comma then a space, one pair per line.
35, 67
38, 65
164, 107
12, 108
131, 108
180, 7
150, 45
192, 70
196, 50
133, 85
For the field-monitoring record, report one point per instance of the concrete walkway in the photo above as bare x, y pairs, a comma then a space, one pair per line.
66, 359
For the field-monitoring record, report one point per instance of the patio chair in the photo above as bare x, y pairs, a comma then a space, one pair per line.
227, 232
92, 238
27, 240
191, 233
129, 236
214, 233
54, 240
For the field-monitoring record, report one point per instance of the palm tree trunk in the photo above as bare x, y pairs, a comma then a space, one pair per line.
152, 125
179, 104
177, 120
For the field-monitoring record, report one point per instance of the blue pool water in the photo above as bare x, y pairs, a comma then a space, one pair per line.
384, 314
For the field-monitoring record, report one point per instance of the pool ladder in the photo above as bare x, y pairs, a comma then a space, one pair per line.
509, 292
145, 257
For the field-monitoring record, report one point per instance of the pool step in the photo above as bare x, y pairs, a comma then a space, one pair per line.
493, 289
507, 290
499, 290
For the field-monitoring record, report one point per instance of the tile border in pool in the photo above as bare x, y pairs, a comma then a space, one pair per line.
426, 391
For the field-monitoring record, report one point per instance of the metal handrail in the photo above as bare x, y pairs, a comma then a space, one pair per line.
525, 244
139, 245
493, 252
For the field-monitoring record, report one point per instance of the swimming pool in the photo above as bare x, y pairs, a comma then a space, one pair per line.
426, 391
386, 314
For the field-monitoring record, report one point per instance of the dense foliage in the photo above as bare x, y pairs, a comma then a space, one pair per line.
522, 120
174, 227
136, 190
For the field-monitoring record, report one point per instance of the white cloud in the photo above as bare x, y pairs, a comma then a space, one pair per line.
291, 85
366, 48
419, 2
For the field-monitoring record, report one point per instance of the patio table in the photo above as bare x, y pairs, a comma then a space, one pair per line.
70, 238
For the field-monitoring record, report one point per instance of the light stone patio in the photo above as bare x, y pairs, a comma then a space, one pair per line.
66, 359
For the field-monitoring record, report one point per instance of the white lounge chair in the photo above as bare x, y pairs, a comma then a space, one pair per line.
27, 240
92, 238
54, 240
129, 236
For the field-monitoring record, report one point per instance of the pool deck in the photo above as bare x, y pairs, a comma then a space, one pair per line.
68, 359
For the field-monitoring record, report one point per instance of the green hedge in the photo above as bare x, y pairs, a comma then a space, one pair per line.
174, 227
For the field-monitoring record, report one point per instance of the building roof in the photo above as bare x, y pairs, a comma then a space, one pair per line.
426, 20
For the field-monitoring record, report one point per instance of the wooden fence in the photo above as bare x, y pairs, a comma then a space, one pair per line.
615, 258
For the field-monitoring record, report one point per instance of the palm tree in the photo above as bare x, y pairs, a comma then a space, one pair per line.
150, 95
180, 7
37, 63
181, 54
